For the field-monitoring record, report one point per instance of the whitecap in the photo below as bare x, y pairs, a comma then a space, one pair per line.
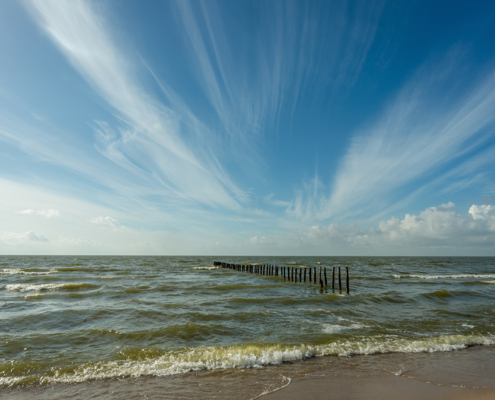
21, 287
453, 276
18, 271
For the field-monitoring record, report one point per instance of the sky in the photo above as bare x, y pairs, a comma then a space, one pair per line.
320, 128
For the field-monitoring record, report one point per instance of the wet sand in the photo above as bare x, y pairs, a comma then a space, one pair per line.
467, 374
464, 374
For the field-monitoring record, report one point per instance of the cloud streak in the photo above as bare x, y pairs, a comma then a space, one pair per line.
44, 213
149, 140
415, 137
297, 48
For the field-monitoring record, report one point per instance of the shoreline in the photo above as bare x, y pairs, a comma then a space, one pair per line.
456, 375
374, 388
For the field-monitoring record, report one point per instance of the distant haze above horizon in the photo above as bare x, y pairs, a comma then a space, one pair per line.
247, 127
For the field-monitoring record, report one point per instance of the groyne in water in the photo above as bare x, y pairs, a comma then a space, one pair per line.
293, 274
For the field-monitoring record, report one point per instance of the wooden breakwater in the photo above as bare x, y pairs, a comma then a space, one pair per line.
293, 274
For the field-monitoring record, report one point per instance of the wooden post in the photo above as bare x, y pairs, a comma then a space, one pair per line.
300, 275
321, 280
325, 273
305, 269
314, 273
347, 280
333, 277
310, 277
340, 283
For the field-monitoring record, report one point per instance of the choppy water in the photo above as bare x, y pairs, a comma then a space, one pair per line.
74, 319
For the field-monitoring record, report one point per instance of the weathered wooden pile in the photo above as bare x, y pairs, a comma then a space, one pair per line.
292, 274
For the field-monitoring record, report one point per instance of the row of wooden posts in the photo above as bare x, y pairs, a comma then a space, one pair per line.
292, 274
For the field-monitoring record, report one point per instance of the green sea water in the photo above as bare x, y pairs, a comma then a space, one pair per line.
75, 319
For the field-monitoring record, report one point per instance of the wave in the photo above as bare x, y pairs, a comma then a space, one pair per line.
135, 362
87, 269
439, 294
328, 328
27, 271
209, 267
453, 276
21, 287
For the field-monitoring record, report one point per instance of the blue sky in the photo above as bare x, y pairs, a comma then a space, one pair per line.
247, 127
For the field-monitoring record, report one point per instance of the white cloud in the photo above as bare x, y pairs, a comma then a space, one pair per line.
107, 221
328, 48
28, 212
416, 136
436, 227
149, 142
44, 213
14, 238
484, 213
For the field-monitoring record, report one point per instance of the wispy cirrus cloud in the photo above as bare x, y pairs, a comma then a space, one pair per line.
298, 47
148, 141
424, 128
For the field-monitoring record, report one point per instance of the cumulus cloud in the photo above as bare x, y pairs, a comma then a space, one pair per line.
44, 213
107, 221
13, 238
441, 227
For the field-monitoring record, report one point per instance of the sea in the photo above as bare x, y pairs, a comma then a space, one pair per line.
101, 324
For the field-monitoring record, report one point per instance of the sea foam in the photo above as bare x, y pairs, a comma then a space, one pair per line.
18, 271
20, 287
453, 276
246, 356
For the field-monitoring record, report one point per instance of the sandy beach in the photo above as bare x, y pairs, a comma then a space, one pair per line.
466, 374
